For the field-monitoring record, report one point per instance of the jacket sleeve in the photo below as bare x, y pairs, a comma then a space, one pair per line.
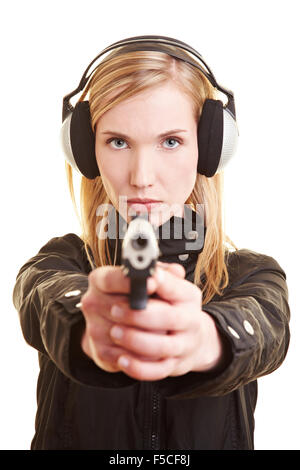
253, 319
46, 295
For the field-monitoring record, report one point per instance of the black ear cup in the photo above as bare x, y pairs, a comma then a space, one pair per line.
78, 141
210, 137
82, 140
217, 135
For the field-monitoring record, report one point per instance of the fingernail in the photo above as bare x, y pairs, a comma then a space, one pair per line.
117, 312
116, 332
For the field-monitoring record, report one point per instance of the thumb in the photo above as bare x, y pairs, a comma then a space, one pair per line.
174, 268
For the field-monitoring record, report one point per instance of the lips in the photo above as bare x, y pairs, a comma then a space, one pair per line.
142, 201
144, 205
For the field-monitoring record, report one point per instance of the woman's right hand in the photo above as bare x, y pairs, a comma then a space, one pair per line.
108, 286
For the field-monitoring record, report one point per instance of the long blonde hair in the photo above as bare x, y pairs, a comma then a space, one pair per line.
132, 72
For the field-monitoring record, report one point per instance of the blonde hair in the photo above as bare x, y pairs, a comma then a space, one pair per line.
118, 77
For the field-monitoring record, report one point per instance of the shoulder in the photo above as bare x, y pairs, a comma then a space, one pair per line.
244, 263
70, 243
62, 253
69, 239
69, 246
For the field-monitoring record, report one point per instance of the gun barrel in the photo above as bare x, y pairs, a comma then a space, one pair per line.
140, 252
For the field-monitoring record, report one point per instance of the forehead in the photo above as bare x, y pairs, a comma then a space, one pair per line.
165, 105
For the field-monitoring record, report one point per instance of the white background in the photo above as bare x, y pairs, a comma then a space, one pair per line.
253, 48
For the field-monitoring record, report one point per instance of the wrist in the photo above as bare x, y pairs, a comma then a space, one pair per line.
210, 354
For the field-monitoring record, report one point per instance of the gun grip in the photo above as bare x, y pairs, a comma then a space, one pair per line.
138, 293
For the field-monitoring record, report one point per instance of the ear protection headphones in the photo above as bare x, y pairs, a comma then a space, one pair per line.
217, 128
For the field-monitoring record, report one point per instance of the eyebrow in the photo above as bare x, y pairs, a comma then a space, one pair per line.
164, 134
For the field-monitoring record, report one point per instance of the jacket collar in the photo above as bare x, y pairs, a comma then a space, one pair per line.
179, 238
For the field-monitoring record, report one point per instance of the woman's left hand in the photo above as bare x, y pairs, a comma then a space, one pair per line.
172, 335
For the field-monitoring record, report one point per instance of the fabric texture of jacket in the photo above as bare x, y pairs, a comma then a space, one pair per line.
80, 406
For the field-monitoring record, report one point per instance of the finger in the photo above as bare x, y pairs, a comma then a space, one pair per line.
171, 288
146, 370
158, 315
111, 354
105, 355
112, 280
148, 344
97, 305
109, 279
174, 268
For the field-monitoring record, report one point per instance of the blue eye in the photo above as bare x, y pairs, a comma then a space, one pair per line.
172, 141
118, 143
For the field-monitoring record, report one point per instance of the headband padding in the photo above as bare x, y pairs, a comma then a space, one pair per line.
83, 140
210, 137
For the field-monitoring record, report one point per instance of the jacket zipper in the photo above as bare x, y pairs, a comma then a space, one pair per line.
151, 416
154, 437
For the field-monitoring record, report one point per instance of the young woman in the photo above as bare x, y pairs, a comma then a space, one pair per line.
180, 373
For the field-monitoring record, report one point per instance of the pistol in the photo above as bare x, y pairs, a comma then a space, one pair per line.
140, 252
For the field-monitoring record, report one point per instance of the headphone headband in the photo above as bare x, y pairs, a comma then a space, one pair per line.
152, 43
217, 130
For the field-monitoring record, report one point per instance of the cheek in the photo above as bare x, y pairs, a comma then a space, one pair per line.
111, 183
191, 165
111, 174
180, 185
184, 175
184, 186
108, 177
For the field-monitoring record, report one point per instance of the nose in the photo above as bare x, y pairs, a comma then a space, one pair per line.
142, 169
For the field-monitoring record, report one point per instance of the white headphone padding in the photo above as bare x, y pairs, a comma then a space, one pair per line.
230, 139
65, 140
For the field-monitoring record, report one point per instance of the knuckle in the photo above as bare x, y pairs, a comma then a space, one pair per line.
176, 346
167, 348
98, 332
165, 368
180, 368
139, 372
93, 276
92, 330
175, 320
105, 363
132, 341
99, 278
180, 346
89, 303
104, 353
136, 317
169, 366
104, 281
104, 357
98, 351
